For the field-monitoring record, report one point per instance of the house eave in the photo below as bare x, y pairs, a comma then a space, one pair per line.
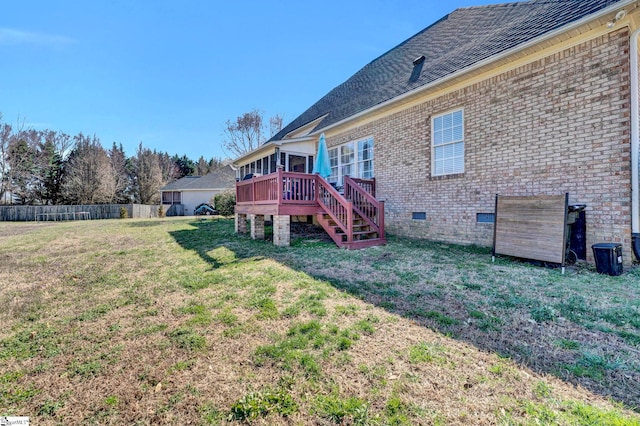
269, 146
310, 126
477, 66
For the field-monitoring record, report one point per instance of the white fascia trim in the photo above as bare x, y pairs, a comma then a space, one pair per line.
635, 133
251, 153
267, 146
483, 63
311, 124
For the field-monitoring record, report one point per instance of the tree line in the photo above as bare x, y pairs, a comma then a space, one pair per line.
52, 167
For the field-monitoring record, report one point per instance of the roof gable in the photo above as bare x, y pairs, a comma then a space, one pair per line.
455, 42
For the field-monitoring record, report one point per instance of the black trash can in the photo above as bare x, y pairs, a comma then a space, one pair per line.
577, 231
608, 258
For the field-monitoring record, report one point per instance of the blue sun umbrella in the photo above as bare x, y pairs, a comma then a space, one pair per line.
322, 165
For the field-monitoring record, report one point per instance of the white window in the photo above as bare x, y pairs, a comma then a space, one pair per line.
347, 160
171, 197
447, 142
353, 159
333, 161
365, 158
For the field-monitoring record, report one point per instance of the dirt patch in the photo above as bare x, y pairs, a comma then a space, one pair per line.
308, 233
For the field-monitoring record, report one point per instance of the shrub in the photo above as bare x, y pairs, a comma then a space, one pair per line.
124, 213
161, 211
225, 203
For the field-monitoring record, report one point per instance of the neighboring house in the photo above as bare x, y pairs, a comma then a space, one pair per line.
535, 97
183, 195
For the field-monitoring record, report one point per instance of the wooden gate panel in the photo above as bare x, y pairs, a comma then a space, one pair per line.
532, 227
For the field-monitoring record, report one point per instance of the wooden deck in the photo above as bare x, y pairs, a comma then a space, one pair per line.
353, 220
280, 193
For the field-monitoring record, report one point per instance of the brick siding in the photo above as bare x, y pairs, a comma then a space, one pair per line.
281, 230
559, 124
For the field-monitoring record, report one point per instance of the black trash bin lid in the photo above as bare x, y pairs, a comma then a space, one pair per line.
606, 245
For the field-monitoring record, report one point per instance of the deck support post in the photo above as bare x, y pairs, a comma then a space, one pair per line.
281, 230
257, 226
241, 223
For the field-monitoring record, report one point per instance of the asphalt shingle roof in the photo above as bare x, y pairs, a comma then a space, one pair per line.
223, 178
455, 42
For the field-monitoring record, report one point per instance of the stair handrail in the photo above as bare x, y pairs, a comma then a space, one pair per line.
369, 185
343, 220
375, 220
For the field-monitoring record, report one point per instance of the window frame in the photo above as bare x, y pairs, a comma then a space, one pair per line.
443, 136
365, 146
172, 195
355, 160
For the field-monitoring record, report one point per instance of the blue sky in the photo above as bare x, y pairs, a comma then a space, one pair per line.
170, 73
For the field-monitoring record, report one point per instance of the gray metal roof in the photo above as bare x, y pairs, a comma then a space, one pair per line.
220, 179
455, 42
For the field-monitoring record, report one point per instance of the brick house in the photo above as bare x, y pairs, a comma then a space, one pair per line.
527, 98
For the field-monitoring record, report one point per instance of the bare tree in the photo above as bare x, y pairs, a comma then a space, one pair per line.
148, 176
169, 168
216, 163
202, 167
275, 125
244, 134
62, 142
89, 178
31, 164
247, 132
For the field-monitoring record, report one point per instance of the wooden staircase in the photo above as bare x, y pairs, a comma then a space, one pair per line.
355, 220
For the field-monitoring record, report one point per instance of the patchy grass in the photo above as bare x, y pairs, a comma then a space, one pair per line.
263, 403
535, 316
179, 321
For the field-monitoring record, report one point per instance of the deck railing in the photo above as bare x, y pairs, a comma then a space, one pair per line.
369, 185
337, 207
291, 188
364, 203
298, 188
278, 188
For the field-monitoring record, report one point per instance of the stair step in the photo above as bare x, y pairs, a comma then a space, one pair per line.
364, 232
363, 235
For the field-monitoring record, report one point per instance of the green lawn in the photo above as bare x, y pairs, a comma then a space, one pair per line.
179, 321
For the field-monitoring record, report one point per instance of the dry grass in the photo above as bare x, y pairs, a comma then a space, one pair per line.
179, 321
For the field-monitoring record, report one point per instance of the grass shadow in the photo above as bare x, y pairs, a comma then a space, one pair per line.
145, 223
207, 235
581, 327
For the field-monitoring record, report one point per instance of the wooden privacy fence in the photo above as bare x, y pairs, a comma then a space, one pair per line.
75, 212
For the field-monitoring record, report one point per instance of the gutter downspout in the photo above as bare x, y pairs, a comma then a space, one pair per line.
635, 145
